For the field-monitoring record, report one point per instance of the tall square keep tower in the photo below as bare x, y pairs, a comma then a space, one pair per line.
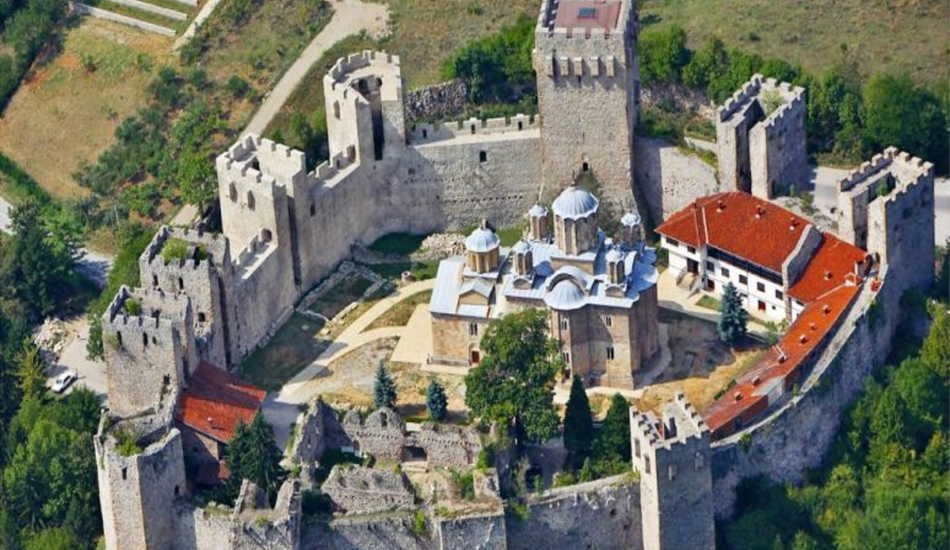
588, 92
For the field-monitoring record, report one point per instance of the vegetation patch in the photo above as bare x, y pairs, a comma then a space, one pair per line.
399, 314
293, 348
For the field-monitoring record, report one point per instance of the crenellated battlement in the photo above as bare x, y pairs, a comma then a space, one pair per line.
344, 66
679, 423
213, 245
547, 22
908, 170
157, 308
422, 133
740, 98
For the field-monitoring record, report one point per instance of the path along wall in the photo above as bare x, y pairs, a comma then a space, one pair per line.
797, 435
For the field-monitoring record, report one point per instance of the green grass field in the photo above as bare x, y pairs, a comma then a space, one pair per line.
873, 36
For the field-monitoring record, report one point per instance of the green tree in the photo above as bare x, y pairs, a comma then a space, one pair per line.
663, 54
732, 318
197, 180
935, 351
578, 424
253, 454
613, 439
898, 113
384, 389
54, 538
514, 382
31, 371
436, 402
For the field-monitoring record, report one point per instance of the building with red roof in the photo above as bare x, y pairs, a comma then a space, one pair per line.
776, 259
209, 411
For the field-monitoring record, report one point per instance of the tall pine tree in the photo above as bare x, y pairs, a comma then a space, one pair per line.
578, 423
384, 390
253, 454
613, 439
733, 317
436, 401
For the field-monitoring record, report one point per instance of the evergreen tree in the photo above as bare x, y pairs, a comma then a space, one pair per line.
436, 401
384, 390
253, 454
578, 423
732, 321
613, 439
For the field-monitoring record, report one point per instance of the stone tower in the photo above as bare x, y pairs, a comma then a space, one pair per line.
588, 92
672, 456
148, 339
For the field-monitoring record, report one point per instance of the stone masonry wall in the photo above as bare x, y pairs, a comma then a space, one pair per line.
669, 179
439, 101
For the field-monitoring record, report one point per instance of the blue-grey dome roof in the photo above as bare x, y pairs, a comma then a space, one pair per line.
565, 296
482, 239
538, 211
630, 218
574, 203
521, 247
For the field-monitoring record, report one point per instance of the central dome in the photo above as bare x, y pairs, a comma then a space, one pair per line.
482, 239
574, 203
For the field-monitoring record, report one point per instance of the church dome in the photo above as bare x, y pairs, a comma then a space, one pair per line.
521, 247
565, 296
538, 211
482, 239
614, 255
574, 203
630, 218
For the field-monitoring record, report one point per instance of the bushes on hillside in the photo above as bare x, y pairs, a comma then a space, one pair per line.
497, 67
845, 119
27, 27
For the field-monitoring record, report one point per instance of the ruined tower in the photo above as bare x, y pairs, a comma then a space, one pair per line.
672, 455
588, 93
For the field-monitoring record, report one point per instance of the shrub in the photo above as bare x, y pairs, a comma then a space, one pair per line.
174, 250
238, 86
132, 306
486, 457
420, 526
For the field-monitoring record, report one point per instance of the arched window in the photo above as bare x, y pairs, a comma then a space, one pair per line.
250, 200
144, 340
336, 109
266, 235
585, 167
313, 209
154, 280
482, 156
181, 284
232, 192
201, 317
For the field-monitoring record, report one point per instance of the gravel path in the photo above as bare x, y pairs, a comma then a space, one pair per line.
349, 17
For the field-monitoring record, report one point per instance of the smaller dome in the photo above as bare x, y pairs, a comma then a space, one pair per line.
482, 239
538, 211
521, 247
614, 255
574, 203
630, 218
565, 296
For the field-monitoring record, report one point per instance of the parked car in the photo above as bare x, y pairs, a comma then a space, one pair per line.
63, 381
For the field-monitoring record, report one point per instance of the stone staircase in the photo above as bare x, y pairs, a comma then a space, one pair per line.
165, 17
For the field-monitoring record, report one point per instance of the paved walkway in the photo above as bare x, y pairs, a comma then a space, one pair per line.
349, 17
675, 298
202, 16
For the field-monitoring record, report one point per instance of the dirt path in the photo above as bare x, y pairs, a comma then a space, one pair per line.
349, 17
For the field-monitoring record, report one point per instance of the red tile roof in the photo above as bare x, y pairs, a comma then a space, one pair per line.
215, 402
827, 268
740, 224
815, 323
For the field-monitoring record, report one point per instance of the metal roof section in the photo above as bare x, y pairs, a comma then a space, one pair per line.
565, 296
479, 286
574, 203
538, 211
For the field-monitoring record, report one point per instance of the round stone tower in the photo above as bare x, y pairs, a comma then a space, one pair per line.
482, 249
575, 221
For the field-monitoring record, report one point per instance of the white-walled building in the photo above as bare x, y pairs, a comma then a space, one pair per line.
777, 260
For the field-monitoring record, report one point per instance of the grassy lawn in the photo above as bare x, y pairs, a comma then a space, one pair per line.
709, 302
397, 243
294, 347
399, 314
420, 270
902, 36
343, 294
65, 115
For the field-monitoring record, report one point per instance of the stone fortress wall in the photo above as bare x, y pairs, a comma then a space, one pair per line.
762, 152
